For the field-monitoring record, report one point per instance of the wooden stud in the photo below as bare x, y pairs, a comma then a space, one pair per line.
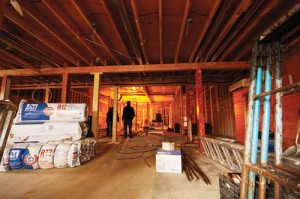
200, 104
65, 88
5, 88
95, 105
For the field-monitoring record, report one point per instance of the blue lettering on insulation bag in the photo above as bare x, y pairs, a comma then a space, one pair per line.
35, 111
15, 158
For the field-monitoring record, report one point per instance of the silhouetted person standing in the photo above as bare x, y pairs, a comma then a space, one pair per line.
109, 120
128, 115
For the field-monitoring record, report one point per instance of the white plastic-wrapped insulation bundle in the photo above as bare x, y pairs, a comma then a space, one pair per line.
4, 166
47, 131
52, 112
15, 156
87, 149
31, 156
74, 154
61, 155
46, 160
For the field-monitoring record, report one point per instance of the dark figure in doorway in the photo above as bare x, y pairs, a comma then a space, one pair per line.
109, 120
128, 115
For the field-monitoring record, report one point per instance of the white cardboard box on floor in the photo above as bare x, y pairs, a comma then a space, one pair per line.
168, 161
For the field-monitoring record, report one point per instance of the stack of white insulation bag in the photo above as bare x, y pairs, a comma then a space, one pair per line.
48, 135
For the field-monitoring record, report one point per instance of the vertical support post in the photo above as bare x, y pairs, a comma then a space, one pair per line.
114, 127
47, 95
255, 130
65, 88
5, 88
278, 115
95, 112
266, 124
200, 104
248, 137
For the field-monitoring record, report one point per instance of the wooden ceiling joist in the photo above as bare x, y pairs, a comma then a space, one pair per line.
242, 7
3, 5
114, 26
69, 24
207, 24
24, 63
241, 24
140, 32
131, 68
97, 34
242, 35
126, 23
161, 61
183, 27
50, 28
19, 21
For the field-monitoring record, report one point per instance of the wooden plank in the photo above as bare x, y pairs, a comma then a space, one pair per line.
65, 88
95, 105
5, 88
200, 104
131, 68
183, 26
3, 5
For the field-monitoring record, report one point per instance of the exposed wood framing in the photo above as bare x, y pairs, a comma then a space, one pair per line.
3, 5
183, 26
208, 22
65, 88
21, 61
246, 29
139, 28
239, 27
50, 28
130, 68
5, 88
97, 34
128, 28
160, 32
95, 106
242, 7
114, 25
199, 104
115, 115
17, 20
69, 24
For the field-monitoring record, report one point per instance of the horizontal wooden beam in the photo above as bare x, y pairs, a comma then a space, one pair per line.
130, 68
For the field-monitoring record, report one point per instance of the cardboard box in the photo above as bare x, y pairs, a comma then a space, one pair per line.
169, 146
168, 161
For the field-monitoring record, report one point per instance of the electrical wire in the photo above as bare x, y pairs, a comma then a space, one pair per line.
134, 148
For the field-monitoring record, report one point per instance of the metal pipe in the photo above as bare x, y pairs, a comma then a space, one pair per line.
273, 174
280, 21
280, 89
255, 130
248, 136
266, 124
278, 114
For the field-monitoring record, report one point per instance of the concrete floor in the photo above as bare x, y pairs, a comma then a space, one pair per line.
111, 175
